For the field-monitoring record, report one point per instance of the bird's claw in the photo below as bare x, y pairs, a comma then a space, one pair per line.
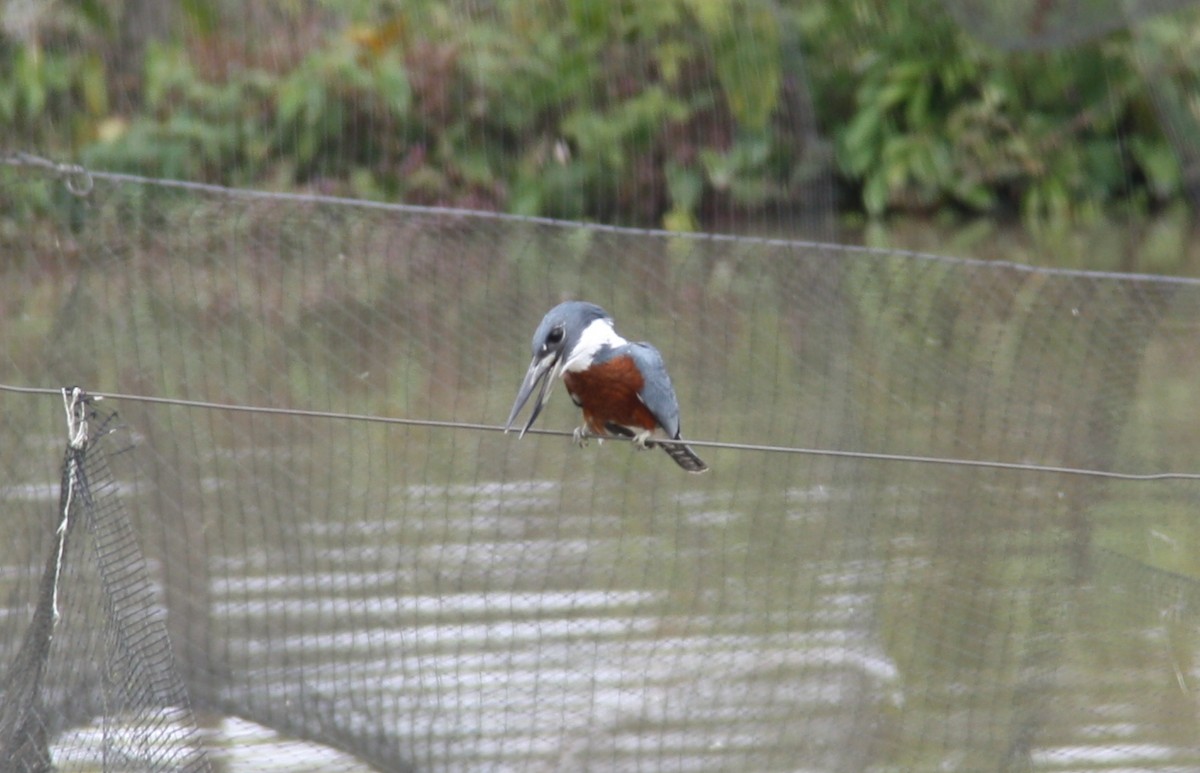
580, 436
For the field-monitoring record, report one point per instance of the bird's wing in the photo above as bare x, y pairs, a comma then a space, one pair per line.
657, 392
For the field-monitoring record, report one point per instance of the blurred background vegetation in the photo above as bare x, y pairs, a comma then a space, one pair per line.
683, 114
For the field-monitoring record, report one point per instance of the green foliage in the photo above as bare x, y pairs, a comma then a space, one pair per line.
650, 113
49, 93
317, 101
938, 118
745, 41
51, 98
191, 128
636, 112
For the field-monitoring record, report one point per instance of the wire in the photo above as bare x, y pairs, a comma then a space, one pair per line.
754, 447
81, 182
78, 179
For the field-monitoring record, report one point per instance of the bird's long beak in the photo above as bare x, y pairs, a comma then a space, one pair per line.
539, 370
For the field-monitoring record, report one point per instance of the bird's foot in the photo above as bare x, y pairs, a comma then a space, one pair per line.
580, 436
641, 441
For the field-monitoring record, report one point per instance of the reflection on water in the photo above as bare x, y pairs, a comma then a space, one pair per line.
558, 640
465, 600
233, 745
517, 669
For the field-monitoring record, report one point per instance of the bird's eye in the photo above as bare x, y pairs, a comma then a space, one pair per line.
554, 336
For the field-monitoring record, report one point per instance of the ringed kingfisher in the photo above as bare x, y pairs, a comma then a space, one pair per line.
622, 387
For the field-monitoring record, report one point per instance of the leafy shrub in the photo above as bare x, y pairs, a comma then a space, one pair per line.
938, 118
663, 113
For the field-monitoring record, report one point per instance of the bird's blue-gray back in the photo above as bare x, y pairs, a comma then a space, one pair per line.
657, 393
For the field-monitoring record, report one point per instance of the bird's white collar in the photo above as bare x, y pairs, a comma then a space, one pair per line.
598, 334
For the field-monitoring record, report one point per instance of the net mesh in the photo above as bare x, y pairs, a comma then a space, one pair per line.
250, 590
93, 674
428, 598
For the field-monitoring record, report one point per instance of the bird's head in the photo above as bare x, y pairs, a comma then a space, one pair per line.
553, 343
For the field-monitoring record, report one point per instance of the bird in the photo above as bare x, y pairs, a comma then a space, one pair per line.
622, 387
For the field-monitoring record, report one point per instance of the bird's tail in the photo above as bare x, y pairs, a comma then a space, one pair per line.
684, 457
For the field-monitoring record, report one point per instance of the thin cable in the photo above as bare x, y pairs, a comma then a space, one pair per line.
80, 181
466, 425
73, 172
76, 177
